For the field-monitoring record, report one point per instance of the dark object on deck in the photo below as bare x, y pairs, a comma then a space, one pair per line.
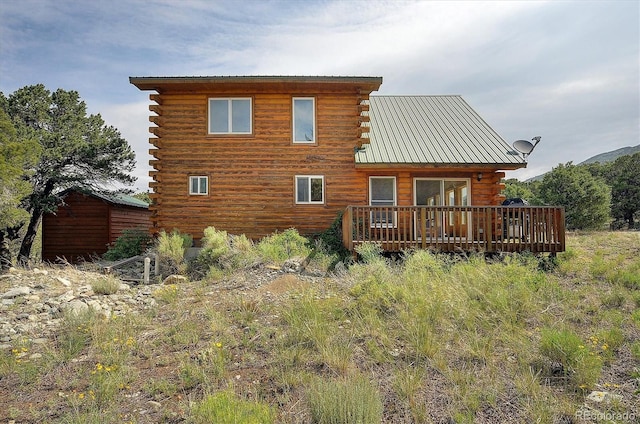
516, 201
516, 222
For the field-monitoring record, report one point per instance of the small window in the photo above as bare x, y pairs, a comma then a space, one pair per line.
309, 189
199, 185
230, 116
304, 120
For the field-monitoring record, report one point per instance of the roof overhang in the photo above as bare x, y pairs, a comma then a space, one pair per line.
185, 83
469, 166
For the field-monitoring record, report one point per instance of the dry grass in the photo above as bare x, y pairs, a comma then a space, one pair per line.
432, 339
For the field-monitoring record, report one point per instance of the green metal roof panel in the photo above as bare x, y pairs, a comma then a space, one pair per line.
123, 199
431, 130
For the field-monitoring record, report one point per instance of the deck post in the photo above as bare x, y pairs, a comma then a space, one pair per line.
423, 227
147, 266
561, 229
489, 231
347, 228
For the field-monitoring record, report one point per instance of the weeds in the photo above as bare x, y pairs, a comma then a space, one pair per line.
349, 400
167, 293
579, 362
432, 338
106, 285
227, 408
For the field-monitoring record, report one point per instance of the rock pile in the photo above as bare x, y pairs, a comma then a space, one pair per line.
33, 302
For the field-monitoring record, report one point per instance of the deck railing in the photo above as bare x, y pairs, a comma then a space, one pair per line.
535, 229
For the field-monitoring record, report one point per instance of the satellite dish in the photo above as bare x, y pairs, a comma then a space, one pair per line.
526, 147
523, 146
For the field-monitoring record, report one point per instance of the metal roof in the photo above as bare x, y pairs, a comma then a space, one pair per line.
122, 199
432, 130
113, 198
156, 83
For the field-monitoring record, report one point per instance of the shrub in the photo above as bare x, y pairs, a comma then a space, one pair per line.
172, 247
214, 244
106, 285
131, 243
279, 247
332, 239
226, 408
345, 401
369, 252
221, 251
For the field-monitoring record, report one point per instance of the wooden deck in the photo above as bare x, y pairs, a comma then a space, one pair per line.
536, 229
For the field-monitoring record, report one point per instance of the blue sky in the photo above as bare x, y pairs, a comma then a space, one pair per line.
565, 70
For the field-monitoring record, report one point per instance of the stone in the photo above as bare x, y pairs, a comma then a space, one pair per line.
76, 307
175, 279
64, 281
292, 266
17, 292
66, 297
600, 396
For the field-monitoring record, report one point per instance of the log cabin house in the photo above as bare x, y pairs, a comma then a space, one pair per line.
256, 154
85, 224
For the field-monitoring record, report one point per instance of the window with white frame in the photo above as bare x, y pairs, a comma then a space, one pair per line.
309, 189
304, 120
382, 192
230, 116
199, 185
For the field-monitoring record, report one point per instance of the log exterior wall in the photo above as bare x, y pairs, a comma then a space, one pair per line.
86, 225
251, 178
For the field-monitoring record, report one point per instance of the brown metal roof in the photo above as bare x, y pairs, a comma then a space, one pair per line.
432, 130
367, 84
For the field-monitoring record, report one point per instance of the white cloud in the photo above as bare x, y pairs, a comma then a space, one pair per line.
568, 71
132, 120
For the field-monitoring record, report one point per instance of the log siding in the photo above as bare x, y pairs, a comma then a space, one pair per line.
252, 177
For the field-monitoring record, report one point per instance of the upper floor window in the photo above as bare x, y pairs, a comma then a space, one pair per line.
304, 120
199, 185
309, 189
230, 116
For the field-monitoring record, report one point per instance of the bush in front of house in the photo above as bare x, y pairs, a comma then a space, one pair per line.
172, 248
222, 252
280, 246
131, 243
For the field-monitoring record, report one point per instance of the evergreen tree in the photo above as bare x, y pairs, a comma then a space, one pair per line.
586, 198
625, 188
16, 159
76, 150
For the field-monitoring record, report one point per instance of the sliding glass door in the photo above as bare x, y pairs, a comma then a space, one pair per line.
443, 192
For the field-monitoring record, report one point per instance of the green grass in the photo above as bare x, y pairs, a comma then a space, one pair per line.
226, 408
349, 400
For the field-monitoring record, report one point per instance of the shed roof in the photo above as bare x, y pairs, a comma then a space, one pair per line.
432, 130
123, 199
113, 198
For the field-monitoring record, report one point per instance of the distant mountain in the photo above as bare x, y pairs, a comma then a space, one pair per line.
602, 158
612, 155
